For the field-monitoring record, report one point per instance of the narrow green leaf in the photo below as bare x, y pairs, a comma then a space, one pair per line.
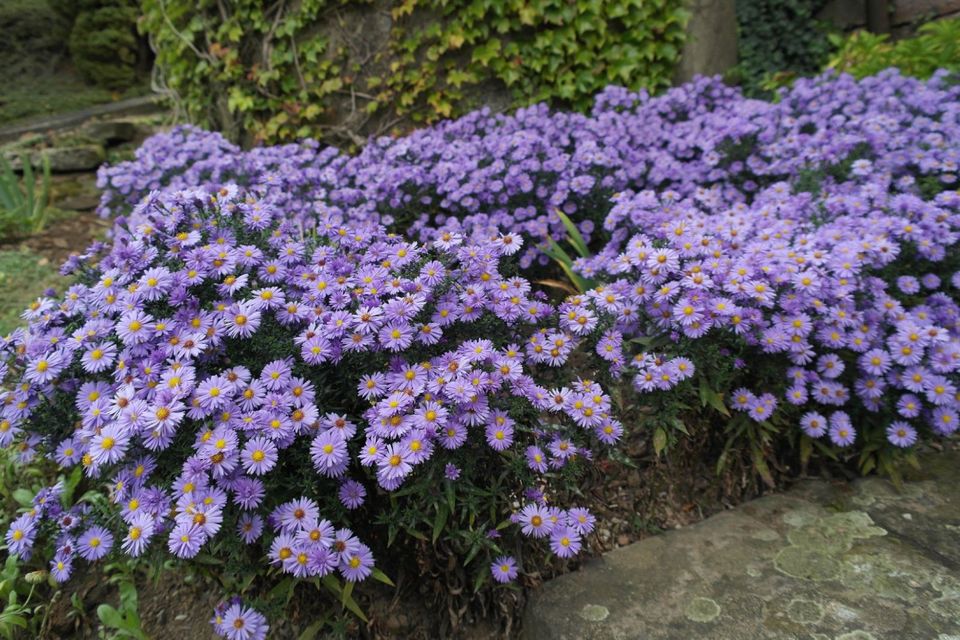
806, 450
347, 593
479, 580
353, 607
380, 576
680, 426
440, 521
576, 240
416, 534
450, 493
760, 465
311, 631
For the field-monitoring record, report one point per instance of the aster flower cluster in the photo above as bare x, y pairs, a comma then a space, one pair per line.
210, 351
254, 316
812, 276
767, 276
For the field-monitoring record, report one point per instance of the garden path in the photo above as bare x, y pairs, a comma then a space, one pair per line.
823, 561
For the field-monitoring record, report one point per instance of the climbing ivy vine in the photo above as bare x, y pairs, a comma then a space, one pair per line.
276, 71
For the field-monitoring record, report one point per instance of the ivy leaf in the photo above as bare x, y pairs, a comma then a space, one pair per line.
486, 52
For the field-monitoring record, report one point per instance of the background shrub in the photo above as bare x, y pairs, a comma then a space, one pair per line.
33, 37
778, 37
104, 43
936, 46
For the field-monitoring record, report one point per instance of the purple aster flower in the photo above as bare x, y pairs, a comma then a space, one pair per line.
20, 535
504, 569
944, 420
901, 434
259, 455
243, 319
536, 459
500, 432
908, 285
329, 453
451, 472
534, 522
909, 405
396, 336
830, 366
241, 623
352, 494
581, 520
296, 513
930, 281
762, 407
95, 543
99, 357
138, 536
842, 432
356, 564
393, 465
814, 424
564, 541
110, 445
250, 527
61, 567
185, 539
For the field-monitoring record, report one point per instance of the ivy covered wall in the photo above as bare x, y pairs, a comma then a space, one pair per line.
345, 69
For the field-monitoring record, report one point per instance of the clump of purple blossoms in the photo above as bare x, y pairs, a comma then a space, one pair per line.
815, 235
233, 350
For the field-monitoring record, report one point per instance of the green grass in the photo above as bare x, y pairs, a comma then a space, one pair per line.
23, 277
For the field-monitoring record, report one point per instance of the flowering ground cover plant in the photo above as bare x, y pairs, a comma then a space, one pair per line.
216, 363
256, 364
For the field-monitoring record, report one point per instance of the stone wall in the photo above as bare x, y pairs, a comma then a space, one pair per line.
905, 15
711, 46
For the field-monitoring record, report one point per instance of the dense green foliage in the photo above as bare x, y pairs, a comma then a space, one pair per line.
778, 37
104, 43
288, 70
33, 38
936, 46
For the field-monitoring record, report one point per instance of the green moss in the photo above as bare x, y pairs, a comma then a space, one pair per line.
23, 277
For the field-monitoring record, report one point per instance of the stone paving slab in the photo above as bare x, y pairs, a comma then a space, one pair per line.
860, 561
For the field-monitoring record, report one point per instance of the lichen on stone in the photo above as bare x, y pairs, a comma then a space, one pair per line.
702, 610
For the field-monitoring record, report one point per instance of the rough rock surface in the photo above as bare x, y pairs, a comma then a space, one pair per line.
86, 157
860, 561
711, 45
